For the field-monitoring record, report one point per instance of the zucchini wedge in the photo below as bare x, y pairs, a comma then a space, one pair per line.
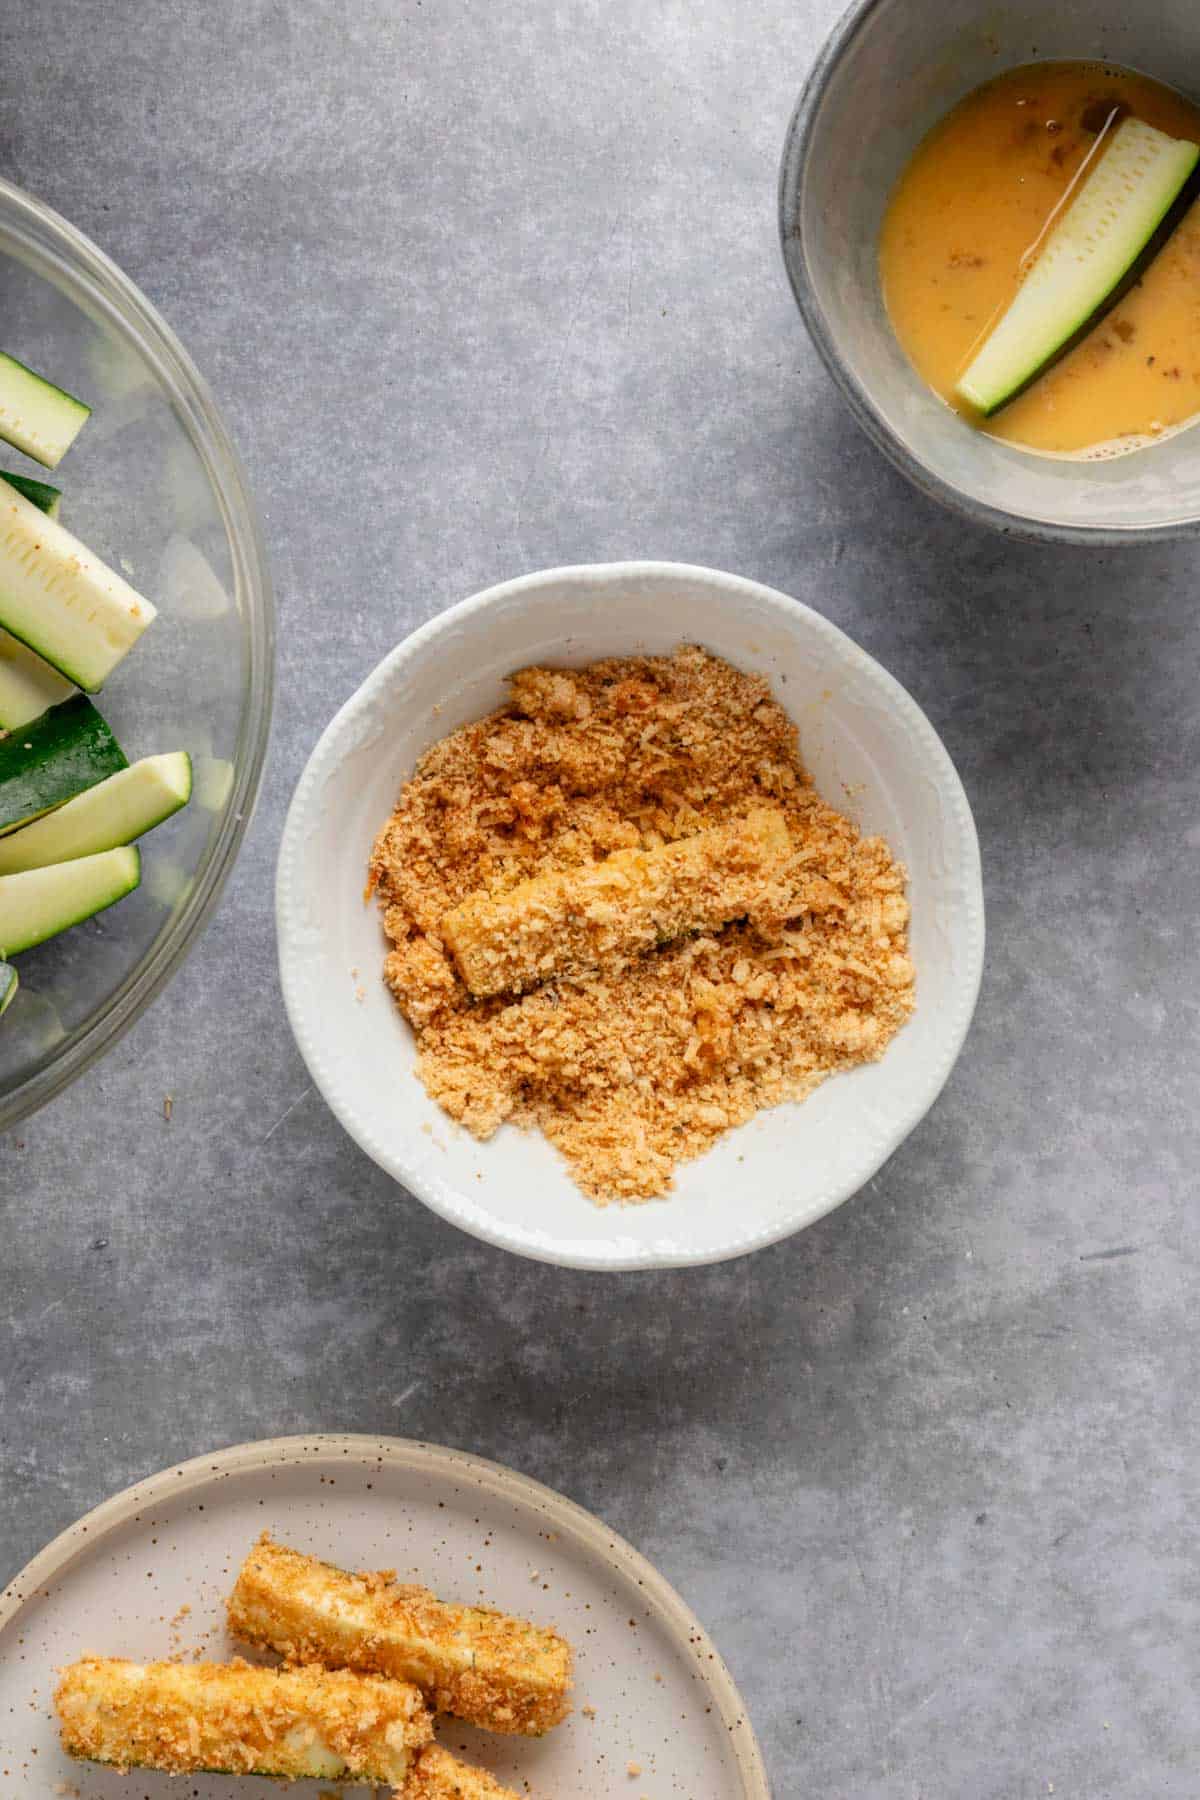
62, 601
42, 902
113, 812
232, 1718
28, 686
47, 762
502, 1673
36, 416
8, 986
1113, 219
47, 499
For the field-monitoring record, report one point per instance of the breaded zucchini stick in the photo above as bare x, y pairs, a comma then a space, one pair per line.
498, 1672
439, 1776
574, 920
238, 1720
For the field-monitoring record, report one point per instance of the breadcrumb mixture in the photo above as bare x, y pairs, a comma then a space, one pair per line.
640, 1063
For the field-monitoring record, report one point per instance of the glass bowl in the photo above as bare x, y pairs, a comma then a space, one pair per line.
154, 486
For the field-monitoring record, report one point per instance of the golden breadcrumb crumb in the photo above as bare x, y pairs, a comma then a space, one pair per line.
638, 1061
496, 1671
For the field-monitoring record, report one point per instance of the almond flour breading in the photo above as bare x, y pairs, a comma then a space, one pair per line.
641, 1064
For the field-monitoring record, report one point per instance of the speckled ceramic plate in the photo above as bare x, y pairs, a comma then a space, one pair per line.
121, 1581
870, 750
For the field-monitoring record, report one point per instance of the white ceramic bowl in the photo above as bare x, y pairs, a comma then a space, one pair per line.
869, 748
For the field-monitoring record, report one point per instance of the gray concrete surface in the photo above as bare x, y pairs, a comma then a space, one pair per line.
485, 287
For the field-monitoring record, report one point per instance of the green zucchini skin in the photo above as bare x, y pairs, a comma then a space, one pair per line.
349, 1779
43, 764
8, 986
43, 496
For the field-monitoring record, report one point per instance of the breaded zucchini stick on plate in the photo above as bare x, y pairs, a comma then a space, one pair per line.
439, 1776
497, 1672
573, 920
238, 1720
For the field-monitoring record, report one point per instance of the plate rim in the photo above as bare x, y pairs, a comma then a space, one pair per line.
458, 1208
584, 1528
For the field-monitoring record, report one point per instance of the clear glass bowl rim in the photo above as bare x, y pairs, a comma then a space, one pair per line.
63, 254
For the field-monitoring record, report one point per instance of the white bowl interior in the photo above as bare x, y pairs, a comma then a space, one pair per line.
897, 74
869, 749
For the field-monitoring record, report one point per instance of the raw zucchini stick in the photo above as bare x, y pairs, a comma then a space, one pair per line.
238, 1720
49, 761
1080, 270
439, 1776
36, 416
495, 1671
60, 599
113, 812
28, 686
574, 920
47, 499
8, 986
42, 902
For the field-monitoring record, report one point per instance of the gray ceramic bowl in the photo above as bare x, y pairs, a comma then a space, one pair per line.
891, 69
